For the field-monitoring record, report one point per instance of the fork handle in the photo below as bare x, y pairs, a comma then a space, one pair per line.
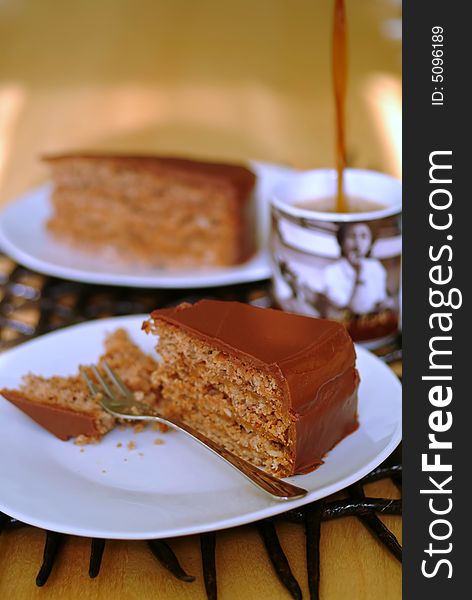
277, 488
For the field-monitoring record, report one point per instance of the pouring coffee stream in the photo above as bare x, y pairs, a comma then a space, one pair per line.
339, 80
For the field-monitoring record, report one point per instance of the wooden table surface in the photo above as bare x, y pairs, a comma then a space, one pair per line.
225, 80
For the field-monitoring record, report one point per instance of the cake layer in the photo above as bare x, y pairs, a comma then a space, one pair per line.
166, 212
232, 403
149, 231
226, 385
311, 362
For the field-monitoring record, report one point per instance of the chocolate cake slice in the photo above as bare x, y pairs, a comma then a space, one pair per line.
64, 406
277, 389
153, 211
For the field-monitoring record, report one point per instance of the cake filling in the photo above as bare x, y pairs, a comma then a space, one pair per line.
230, 402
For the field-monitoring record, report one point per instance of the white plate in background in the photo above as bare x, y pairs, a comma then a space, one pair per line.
24, 237
158, 491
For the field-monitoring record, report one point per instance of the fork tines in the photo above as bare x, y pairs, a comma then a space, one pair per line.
106, 387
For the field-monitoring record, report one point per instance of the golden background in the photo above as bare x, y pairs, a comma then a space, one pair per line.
235, 79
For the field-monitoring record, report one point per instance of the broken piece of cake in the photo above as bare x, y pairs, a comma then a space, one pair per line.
64, 406
153, 211
277, 389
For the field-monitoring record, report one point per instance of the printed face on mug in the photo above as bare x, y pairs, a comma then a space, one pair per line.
339, 266
355, 240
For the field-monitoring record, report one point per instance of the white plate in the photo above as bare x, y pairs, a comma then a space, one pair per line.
172, 489
24, 237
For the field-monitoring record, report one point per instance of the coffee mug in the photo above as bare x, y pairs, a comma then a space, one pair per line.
342, 266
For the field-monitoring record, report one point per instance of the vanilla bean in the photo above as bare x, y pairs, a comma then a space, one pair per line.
165, 555
96, 552
4, 520
12, 524
277, 557
395, 459
208, 550
350, 508
375, 525
313, 514
383, 472
397, 480
53, 543
365, 506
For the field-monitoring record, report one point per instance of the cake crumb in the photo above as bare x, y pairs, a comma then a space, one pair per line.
81, 440
139, 427
158, 442
140, 454
82, 450
131, 445
119, 445
160, 427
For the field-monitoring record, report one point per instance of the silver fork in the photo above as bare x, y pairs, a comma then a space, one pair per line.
119, 401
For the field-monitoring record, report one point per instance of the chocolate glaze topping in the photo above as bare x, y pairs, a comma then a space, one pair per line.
313, 360
61, 422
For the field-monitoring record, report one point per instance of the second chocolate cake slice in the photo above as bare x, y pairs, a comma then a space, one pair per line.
277, 389
153, 211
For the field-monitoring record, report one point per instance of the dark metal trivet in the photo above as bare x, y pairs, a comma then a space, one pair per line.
32, 304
